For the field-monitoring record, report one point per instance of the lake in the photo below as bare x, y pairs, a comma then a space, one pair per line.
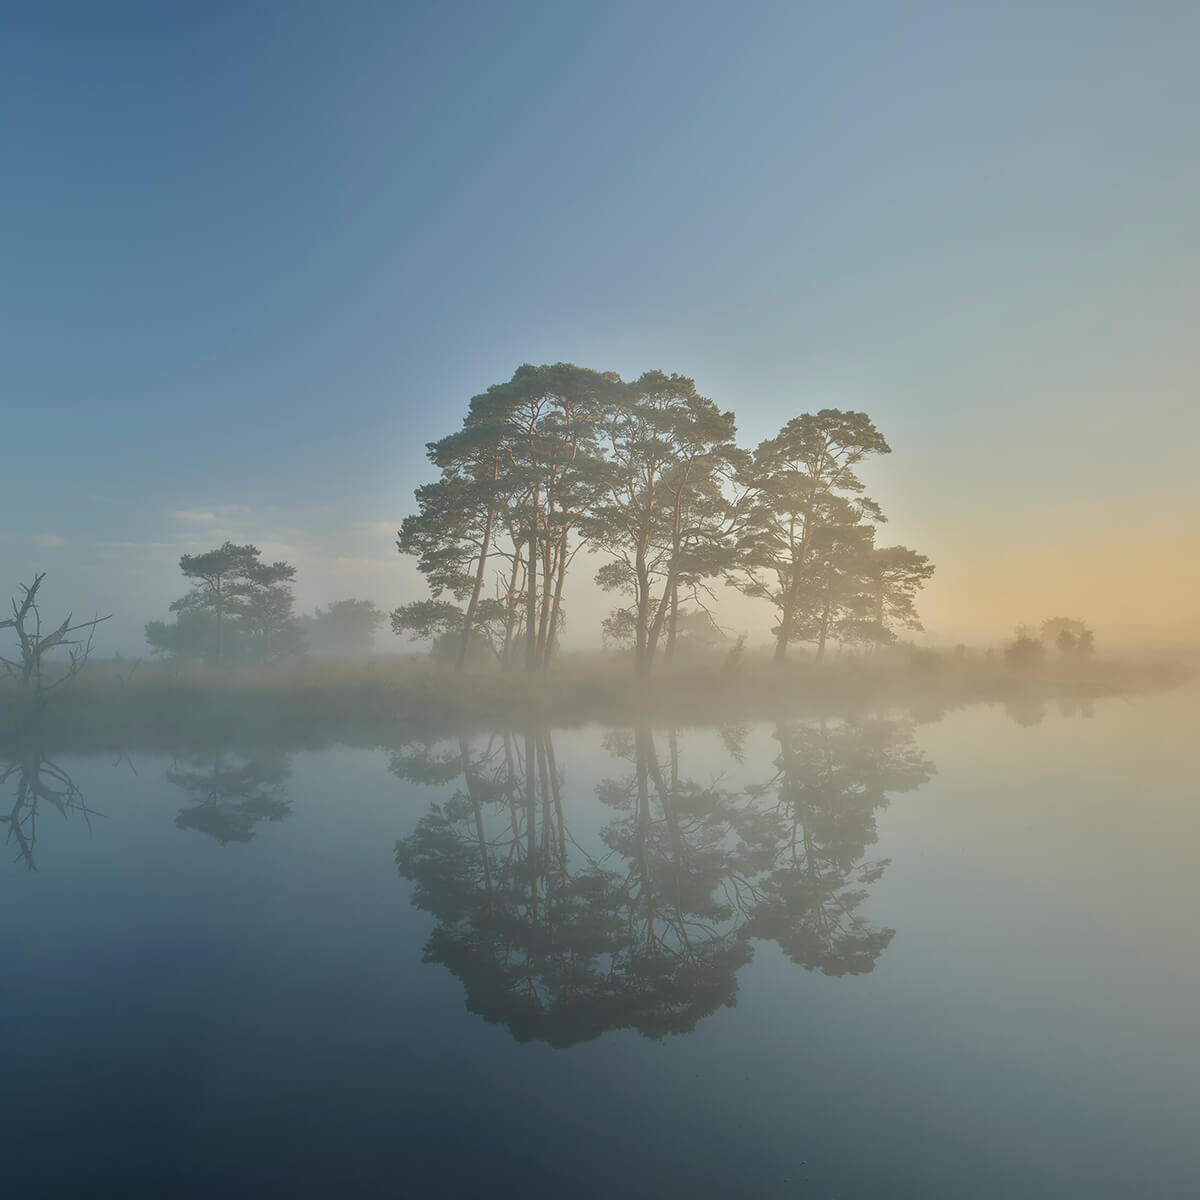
840, 957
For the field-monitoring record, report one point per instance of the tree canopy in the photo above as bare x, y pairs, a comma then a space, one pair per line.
648, 476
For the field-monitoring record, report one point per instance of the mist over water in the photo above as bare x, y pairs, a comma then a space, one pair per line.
833, 953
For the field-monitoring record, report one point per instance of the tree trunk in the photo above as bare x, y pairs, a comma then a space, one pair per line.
825, 619
642, 583
531, 659
510, 619
672, 623
785, 622
473, 603
556, 607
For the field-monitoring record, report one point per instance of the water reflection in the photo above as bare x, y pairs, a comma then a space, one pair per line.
229, 794
36, 780
646, 924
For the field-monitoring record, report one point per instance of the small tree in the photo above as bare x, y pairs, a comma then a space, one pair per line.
235, 598
30, 669
343, 629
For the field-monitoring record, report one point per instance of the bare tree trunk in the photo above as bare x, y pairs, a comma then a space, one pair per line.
785, 621
556, 607
824, 619
673, 623
641, 645
473, 603
510, 618
549, 561
531, 649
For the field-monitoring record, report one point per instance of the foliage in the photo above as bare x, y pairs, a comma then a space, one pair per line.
648, 474
343, 629
238, 607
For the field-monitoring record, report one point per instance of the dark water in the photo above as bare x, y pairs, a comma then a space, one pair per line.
840, 958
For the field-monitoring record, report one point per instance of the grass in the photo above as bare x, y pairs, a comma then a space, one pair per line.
377, 703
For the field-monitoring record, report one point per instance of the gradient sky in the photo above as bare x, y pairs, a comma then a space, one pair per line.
254, 256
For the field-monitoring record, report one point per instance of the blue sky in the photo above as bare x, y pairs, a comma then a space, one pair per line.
254, 256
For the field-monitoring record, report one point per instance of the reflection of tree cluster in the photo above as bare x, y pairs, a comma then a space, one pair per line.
227, 798
648, 929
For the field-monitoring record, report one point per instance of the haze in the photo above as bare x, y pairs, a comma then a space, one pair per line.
255, 258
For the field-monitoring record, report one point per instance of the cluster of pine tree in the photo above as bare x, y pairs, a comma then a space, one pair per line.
648, 475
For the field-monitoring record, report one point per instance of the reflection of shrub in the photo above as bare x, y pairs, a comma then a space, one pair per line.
1025, 652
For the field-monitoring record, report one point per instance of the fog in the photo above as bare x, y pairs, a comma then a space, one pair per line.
599, 600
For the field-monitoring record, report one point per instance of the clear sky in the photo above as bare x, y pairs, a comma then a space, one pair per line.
254, 255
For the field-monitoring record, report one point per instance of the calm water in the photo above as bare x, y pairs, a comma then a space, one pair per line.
820, 959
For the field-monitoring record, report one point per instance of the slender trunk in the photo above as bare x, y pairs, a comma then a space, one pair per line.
799, 554
473, 603
672, 623
659, 622
785, 621
547, 575
531, 659
510, 618
824, 619
641, 647
556, 608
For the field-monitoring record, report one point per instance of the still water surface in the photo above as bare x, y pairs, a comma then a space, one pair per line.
839, 958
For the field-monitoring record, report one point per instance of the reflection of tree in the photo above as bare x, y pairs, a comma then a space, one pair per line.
558, 950
227, 798
830, 782
648, 928
36, 780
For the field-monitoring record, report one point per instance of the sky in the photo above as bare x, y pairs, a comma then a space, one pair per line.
254, 256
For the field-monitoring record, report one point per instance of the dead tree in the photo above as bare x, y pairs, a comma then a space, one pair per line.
26, 620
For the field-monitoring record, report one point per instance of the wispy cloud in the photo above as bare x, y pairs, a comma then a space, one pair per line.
50, 540
194, 516
378, 528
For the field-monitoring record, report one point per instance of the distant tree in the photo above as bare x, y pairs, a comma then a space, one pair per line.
190, 637
267, 612
804, 484
231, 587
1071, 636
1025, 651
886, 585
515, 483
343, 629
424, 620
663, 516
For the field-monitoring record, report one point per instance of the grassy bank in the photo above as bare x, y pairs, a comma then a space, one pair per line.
385, 703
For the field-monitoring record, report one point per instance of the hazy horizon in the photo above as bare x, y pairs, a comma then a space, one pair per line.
254, 261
